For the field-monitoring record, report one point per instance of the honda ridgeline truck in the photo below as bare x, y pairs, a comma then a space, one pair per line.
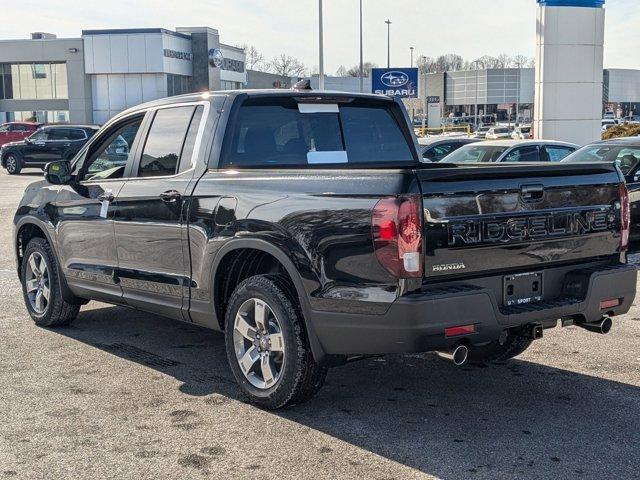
304, 226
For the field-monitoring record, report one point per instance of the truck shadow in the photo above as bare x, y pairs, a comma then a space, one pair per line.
518, 420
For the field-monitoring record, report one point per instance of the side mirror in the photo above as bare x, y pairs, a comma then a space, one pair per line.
58, 173
27, 140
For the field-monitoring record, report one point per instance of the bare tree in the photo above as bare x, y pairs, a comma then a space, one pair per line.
520, 61
427, 64
454, 62
342, 71
287, 66
449, 62
366, 68
254, 59
504, 61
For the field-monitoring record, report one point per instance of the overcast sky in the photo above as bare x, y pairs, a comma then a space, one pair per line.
471, 28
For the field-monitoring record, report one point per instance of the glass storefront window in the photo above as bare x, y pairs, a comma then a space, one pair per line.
49, 116
33, 81
178, 85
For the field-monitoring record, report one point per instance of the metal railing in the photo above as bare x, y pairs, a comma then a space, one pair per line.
444, 129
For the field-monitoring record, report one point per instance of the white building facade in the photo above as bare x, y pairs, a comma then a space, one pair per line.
569, 78
129, 67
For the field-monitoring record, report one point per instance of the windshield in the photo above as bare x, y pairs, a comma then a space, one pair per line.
476, 153
625, 157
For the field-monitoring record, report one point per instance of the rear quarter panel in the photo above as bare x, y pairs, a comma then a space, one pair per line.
321, 221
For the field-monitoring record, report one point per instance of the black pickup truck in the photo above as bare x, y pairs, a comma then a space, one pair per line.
305, 227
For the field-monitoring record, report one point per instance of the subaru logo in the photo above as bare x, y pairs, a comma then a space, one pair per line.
215, 57
394, 79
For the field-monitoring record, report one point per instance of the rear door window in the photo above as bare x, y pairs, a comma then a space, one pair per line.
523, 154
283, 134
162, 150
556, 153
59, 134
77, 134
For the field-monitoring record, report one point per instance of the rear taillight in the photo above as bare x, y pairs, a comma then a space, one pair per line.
397, 235
625, 217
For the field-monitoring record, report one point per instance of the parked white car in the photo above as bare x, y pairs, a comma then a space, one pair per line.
481, 132
512, 151
523, 132
497, 133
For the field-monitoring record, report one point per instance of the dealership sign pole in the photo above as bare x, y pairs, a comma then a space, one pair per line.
321, 52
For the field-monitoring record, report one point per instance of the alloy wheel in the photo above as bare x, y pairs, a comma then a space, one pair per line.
11, 164
258, 343
37, 283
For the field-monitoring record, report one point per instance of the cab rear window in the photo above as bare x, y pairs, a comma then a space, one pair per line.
290, 134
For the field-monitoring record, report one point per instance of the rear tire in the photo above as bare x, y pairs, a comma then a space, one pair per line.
495, 351
12, 163
41, 286
269, 352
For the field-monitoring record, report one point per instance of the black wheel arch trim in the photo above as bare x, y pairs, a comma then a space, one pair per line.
67, 294
294, 274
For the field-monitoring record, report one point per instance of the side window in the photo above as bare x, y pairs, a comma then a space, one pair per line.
77, 134
40, 135
164, 143
558, 153
437, 153
4, 128
627, 160
109, 159
523, 154
190, 141
59, 134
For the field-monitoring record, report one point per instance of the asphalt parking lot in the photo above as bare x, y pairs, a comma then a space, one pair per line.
123, 394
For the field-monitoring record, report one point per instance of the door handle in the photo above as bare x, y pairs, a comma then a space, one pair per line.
106, 196
170, 196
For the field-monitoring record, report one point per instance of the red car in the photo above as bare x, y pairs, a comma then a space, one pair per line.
16, 131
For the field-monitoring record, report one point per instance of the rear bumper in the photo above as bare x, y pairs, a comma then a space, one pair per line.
416, 322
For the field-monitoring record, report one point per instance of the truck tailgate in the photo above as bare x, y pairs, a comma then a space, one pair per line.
520, 217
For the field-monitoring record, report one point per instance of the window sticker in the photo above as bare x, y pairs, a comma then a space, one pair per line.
318, 158
318, 108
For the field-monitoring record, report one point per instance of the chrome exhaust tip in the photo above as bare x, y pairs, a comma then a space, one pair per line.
602, 327
458, 355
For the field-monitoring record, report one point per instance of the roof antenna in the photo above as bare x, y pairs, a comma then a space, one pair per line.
304, 84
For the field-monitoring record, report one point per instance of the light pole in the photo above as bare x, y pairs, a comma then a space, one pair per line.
361, 60
388, 22
411, 49
321, 52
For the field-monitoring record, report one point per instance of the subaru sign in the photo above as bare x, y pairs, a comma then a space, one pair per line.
395, 82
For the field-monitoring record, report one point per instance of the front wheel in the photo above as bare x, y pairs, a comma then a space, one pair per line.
497, 351
41, 287
267, 346
12, 164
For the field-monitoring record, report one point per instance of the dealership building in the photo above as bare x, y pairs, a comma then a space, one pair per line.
497, 91
90, 79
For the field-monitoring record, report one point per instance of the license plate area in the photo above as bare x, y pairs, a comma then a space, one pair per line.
522, 288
